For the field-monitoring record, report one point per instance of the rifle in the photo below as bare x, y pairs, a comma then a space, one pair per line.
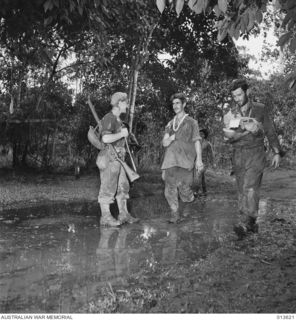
132, 175
92, 109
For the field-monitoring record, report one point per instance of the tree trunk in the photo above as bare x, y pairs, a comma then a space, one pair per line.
19, 93
133, 98
49, 80
45, 160
25, 153
53, 152
141, 57
14, 155
130, 88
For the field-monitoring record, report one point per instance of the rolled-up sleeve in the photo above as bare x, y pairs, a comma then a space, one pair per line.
195, 131
108, 125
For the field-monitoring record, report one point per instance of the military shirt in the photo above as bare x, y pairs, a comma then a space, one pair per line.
259, 112
181, 152
111, 125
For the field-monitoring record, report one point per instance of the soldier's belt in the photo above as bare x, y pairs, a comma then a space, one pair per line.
239, 147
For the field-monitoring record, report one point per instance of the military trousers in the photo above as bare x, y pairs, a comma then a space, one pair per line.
114, 182
248, 166
178, 182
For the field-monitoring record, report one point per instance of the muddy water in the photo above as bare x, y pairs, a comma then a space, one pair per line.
55, 259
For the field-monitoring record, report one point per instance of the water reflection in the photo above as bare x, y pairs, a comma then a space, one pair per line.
53, 262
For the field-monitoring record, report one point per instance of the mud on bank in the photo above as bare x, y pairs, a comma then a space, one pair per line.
256, 275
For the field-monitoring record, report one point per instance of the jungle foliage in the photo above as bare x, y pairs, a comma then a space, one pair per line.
56, 53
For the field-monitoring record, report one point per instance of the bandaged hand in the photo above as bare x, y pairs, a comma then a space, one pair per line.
124, 132
276, 161
199, 166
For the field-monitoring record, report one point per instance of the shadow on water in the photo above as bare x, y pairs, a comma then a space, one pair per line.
55, 259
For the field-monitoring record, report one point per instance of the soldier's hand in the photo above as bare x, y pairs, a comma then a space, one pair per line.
276, 161
173, 137
199, 166
124, 132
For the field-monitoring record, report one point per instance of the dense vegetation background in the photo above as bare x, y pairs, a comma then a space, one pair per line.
54, 54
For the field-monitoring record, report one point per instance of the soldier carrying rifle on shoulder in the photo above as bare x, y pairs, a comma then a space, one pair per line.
113, 170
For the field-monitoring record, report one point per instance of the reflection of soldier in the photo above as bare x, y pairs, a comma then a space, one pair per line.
113, 259
122, 254
170, 247
249, 122
114, 255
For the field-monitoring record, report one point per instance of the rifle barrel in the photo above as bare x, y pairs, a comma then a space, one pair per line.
130, 154
92, 108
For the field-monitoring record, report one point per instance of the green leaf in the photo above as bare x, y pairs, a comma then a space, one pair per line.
72, 6
259, 16
219, 24
276, 4
231, 30
239, 3
223, 4
288, 16
217, 11
160, 5
290, 4
292, 45
222, 34
284, 39
196, 5
206, 5
179, 6
48, 21
223, 30
291, 24
236, 32
252, 16
48, 5
244, 22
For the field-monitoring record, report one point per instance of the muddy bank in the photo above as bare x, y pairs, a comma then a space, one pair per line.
252, 276
27, 190
66, 263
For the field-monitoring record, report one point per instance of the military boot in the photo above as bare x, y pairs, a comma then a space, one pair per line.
241, 231
124, 215
204, 192
252, 225
106, 219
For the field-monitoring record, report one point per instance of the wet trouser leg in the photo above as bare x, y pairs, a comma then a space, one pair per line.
113, 179
123, 187
248, 168
113, 182
121, 198
171, 195
178, 181
109, 182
